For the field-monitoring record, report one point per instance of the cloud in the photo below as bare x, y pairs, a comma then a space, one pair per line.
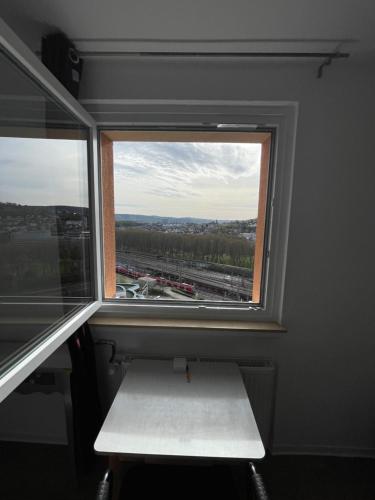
172, 192
187, 162
190, 175
43, 171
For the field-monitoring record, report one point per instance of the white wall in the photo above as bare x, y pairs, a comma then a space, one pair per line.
325, 397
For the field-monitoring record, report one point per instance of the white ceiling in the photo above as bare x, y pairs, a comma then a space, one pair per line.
136, 25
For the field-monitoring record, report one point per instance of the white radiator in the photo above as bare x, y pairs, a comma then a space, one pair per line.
259, 377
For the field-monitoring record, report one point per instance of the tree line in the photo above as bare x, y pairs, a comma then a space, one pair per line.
213, 247
38, 265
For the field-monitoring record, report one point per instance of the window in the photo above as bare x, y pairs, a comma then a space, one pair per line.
47, 277
46, 298
185, 215
170, 116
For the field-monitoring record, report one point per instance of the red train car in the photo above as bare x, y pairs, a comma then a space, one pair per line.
185, 287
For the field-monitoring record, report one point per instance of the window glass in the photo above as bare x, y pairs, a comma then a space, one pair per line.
45, 227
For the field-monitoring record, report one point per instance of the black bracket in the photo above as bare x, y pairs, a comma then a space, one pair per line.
328, 61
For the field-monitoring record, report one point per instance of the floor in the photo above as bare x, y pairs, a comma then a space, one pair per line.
300, 477
44, 471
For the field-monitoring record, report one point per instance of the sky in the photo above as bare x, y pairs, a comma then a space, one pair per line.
175, 179
43, 171
178, 179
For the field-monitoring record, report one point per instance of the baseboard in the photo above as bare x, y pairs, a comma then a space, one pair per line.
334, 451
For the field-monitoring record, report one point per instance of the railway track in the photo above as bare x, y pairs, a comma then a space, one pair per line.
233, 285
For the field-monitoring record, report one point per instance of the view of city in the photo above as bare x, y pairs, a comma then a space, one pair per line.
197, 240
44, 250
185, 214
44, 219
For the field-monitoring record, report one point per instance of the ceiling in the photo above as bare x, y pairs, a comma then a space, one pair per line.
203, 25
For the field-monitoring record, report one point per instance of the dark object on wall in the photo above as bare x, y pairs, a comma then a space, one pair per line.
62, 59
87, 415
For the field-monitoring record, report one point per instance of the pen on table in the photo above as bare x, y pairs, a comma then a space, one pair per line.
187, 373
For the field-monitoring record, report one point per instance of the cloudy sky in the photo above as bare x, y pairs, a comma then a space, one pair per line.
206, 180
43, 171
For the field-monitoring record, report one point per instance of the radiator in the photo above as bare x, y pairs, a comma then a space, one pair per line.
259, 377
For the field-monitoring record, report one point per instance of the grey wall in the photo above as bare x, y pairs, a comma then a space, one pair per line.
28, 29
326, 369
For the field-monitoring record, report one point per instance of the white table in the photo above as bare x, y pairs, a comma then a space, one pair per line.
158, 413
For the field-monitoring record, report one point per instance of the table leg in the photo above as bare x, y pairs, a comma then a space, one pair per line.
116, 467
241, 478
68, 404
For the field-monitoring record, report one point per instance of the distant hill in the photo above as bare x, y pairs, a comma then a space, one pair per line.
155, 219
15, 209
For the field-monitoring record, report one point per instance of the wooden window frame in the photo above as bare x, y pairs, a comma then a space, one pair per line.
107, 137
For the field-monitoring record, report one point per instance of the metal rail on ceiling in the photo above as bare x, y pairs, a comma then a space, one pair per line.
328, 57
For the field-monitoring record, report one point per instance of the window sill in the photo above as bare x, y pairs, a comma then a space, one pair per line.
189, 324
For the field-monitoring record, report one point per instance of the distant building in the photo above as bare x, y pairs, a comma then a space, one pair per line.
248, 236
73, 223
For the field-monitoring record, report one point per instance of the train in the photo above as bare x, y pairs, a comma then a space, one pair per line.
184, 287
120, 269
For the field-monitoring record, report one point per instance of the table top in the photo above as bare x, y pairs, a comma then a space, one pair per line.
158, 412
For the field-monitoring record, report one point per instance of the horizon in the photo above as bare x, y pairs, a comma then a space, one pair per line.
128, 213
182, 217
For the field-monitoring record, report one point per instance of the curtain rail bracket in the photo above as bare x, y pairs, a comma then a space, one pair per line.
328, 62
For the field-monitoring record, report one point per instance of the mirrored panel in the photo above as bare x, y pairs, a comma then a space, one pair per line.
45, 226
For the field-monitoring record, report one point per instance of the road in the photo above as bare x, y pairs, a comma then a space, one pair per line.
234, 285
